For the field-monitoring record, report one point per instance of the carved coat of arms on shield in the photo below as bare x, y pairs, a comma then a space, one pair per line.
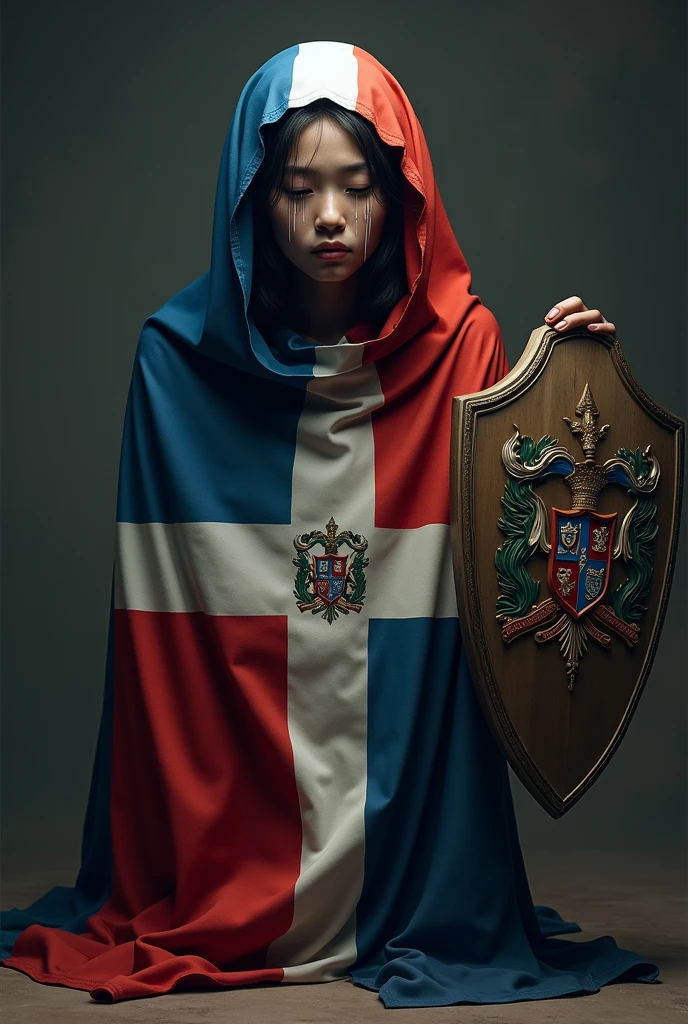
579, 542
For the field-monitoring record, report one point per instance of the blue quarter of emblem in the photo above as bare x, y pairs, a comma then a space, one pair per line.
594, 581
571, 535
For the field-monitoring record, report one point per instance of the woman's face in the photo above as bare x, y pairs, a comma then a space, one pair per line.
328, 219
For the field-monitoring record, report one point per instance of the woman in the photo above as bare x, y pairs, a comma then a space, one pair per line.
299, 783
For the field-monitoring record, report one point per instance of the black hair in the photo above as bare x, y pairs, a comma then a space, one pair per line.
382, 278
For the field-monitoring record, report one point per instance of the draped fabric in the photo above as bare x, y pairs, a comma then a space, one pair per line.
293, 781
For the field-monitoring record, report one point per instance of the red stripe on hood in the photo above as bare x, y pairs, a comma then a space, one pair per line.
438, 342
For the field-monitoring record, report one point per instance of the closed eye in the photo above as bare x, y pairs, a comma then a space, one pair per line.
307, 191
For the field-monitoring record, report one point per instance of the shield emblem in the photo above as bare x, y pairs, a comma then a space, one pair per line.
568, 535
580, 558
565, 491
329, 576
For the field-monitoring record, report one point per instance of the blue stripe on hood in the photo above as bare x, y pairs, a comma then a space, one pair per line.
210, 314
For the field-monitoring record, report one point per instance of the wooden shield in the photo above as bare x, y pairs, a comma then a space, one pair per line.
566, 489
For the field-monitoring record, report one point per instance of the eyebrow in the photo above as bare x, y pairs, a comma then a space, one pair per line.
350, 169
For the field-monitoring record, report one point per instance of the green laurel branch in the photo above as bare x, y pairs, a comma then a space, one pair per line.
301, 592
518, 591
629, 600
636, 461
358, 575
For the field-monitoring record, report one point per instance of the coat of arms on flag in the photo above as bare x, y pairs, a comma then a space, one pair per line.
581, 542
330, 582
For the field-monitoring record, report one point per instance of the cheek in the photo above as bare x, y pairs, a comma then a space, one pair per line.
379, 215
279, 219
289, 226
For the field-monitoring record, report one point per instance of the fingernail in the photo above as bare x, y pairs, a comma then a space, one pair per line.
593, 327
552, 313
560, 326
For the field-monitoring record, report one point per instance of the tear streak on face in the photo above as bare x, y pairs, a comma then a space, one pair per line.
328, 220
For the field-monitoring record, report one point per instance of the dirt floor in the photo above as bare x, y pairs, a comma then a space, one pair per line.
638, 897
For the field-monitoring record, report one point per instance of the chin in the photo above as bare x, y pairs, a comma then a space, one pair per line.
332, 274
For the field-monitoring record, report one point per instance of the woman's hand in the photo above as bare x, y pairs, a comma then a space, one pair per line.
573, 312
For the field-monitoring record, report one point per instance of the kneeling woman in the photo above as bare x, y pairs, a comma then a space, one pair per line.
299, 783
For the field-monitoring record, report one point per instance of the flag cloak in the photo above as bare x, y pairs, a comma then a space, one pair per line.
293, 780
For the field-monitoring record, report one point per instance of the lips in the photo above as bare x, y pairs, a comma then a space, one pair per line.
331, 247
330, 252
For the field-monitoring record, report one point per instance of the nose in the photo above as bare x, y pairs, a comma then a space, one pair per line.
330, 213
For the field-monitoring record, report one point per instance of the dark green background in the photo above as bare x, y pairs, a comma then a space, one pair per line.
558, 137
